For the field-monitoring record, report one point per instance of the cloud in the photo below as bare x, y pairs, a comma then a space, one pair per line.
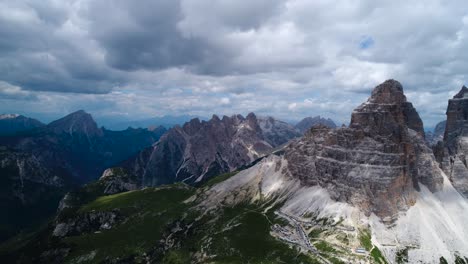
290, 59
10, 92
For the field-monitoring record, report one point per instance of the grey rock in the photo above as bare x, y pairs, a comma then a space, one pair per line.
86, 223
452, 152
116, 180
202, 149
377, 163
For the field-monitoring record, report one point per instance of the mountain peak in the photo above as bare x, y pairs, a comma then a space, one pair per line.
462, 93
388, 92
77, 122
8, 116
387, 110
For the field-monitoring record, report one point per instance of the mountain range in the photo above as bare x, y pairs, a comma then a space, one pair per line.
258, 190
11, 124
41, 163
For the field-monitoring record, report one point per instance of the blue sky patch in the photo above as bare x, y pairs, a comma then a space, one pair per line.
366, 42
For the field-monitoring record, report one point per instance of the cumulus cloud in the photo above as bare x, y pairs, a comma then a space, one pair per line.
291, 58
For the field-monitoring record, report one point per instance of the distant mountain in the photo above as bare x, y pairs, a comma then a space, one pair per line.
308, 122
199, 150
78, 123
78, 146
165, 121
432, 137
71, 150
277, 132
13, 123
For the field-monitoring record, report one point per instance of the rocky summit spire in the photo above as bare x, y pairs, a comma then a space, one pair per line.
387, 112
457, 117
462, 94
453, 151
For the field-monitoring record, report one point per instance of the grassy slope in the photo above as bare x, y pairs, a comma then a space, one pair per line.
153, 216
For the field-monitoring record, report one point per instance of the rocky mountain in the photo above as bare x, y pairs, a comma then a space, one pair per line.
13, 123
277, 132
437, 135
377, 177
76, 145
453, 150
39, 166
308, 122
78, 123
199, 150
377, 163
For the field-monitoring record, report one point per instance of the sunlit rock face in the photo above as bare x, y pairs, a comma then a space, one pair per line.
377, 163
452, 152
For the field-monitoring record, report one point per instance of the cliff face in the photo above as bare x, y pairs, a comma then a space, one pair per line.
452, 152
377, 163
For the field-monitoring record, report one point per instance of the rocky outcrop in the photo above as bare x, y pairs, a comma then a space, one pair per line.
377, 163
116, 180
452, 152
13, 123
87, 222
202, 149
305, 124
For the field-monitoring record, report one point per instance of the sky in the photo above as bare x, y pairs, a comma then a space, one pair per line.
124, 60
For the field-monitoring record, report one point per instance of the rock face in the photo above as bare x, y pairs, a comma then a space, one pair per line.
13, 123
377, 163
29, 191
86, 223
452, 153
202, 149
308, 122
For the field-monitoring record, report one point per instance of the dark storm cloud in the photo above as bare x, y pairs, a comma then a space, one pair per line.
194, 35
143, 35
286, 58
40, 49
